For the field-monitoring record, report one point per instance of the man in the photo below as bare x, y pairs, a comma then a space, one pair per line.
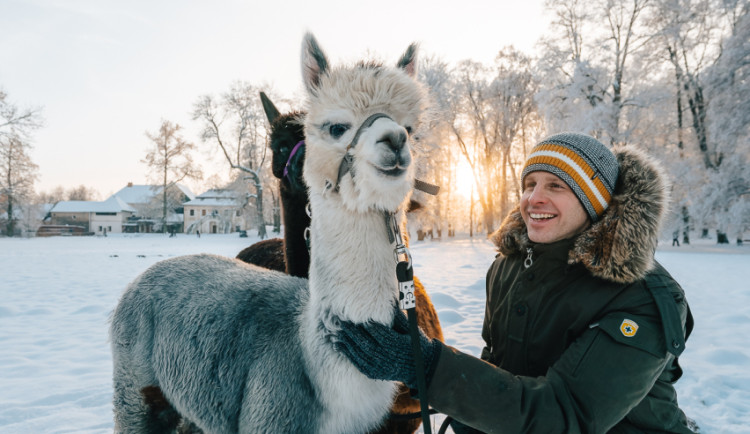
582, 326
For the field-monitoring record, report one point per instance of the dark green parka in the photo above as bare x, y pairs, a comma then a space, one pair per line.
586, 338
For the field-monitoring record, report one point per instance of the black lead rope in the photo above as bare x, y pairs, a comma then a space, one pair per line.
405, 275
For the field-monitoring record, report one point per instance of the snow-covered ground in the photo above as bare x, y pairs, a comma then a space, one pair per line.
56, 295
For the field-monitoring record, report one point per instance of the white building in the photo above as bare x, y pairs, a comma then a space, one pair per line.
216, 211
147, 201
110, 215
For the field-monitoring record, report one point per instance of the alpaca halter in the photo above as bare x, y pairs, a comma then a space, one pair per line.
347, 163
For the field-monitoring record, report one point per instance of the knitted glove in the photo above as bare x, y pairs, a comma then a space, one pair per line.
385, 353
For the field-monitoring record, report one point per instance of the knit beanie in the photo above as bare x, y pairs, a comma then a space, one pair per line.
588, 167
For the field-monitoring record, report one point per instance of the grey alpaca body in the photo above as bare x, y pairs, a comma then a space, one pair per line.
204, 322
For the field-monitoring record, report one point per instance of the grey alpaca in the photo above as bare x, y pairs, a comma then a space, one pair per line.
236, 348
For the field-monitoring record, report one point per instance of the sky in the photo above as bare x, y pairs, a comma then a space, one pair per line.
57, 293
105, 72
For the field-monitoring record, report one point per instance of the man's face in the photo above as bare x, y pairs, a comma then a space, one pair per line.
550, 209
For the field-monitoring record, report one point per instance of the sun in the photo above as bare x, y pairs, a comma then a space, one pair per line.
464, 179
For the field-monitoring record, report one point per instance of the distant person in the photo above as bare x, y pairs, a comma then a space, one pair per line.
676, 237
197, 232
582, 326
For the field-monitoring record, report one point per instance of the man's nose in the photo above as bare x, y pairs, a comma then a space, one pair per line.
537, 195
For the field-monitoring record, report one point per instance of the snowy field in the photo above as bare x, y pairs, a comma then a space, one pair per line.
56, 295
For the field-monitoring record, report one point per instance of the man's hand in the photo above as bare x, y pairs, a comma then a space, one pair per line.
385, 353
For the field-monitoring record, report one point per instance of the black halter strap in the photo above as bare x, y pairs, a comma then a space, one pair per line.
348, 161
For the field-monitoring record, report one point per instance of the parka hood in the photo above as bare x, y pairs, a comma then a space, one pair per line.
620, 246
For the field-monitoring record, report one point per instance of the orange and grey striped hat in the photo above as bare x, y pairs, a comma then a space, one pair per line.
588, 167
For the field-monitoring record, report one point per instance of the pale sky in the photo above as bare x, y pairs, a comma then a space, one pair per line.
105, 71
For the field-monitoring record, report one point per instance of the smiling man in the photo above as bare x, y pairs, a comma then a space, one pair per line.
582, 326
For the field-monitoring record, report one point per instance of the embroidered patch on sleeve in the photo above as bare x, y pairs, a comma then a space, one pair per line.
628, 328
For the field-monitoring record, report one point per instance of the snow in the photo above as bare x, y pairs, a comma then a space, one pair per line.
56, 295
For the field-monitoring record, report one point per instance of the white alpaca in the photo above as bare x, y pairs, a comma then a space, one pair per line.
235, 348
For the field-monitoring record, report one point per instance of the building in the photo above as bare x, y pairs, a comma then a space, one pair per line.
216, 211
109, 216
147, 201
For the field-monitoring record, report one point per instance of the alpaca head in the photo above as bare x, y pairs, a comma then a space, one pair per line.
287, 131
340, 100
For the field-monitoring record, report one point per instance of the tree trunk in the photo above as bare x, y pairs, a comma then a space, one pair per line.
678, 80
259, 206
471, 212
10, 227
698, 109
164, 210
686, 222
276, 213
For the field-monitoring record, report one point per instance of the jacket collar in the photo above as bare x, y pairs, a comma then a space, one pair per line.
620, 246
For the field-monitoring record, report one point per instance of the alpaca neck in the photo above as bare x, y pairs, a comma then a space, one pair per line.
352, 271
296, 220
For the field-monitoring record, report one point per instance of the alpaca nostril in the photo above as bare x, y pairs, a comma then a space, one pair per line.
395, 140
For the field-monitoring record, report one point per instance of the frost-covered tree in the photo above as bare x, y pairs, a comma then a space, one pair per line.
514, 86
490, 108
236, 123
587, 66
17, 176
170, 161
17, 171
688, 32
435, 149
728, 117
705, 43
729, 88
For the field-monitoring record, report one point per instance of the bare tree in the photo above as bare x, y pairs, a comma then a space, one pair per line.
82, 193
17, 171
491, 107
169, 161
17, 176
236, 123
53, 196
16, 121
515, 87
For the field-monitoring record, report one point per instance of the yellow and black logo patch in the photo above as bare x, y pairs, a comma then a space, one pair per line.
628, 328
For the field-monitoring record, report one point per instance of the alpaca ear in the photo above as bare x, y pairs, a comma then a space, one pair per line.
408, 61
271, 112
314, 62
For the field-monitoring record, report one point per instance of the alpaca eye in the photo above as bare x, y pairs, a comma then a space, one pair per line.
338, 130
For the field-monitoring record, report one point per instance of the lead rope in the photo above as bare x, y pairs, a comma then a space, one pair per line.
408, 302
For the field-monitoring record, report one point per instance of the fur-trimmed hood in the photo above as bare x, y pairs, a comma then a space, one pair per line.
620, 246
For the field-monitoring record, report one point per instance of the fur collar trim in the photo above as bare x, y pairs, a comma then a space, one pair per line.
620, 246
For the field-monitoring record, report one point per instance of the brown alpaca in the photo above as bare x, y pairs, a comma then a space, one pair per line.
286, 134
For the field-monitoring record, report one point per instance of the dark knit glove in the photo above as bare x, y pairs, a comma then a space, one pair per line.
385, 353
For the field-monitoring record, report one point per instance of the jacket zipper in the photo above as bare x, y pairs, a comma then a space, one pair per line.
528, 261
